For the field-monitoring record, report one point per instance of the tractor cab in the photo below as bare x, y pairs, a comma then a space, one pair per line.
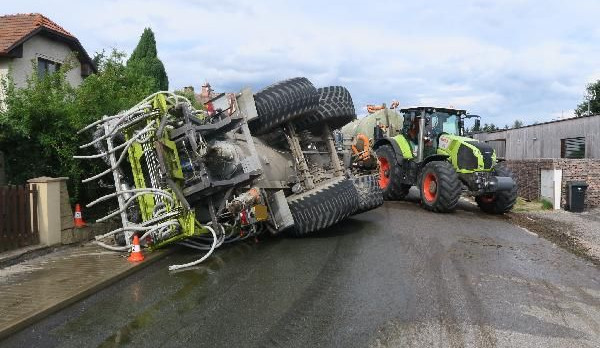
437, 121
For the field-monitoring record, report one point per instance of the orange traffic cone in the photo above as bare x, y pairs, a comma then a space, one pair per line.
136, 252
78, 218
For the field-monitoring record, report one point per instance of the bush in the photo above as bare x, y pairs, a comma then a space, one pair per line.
38, 126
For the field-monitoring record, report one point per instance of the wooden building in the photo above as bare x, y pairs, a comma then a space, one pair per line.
577, 137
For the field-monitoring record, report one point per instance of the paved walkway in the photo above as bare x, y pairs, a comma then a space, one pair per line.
33, 289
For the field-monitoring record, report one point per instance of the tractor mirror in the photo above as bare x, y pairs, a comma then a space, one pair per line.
477, 123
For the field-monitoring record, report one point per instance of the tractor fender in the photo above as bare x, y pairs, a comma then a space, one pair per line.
393, 144
434, 158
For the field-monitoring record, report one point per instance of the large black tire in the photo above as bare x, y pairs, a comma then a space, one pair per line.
370, 195
390, 175
502, 201
335, 109
323, 206
283, 102
440, 187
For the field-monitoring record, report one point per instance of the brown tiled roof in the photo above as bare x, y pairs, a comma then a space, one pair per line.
15, 28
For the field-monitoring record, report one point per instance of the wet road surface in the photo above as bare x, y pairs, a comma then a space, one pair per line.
395, 276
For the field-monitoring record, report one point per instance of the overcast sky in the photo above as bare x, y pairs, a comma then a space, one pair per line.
504, 60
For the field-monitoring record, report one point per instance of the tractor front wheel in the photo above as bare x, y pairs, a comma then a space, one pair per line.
440, 187
390, 175
498, 202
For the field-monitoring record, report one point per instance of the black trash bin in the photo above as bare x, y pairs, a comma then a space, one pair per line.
576, 195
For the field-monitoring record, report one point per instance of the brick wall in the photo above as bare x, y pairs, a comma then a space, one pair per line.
527, 173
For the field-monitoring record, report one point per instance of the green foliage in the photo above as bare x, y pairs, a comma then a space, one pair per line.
190, 95
489, 127
115, 88
38, 128
144, 61
593, 99
517, 124
36, 125
546, 204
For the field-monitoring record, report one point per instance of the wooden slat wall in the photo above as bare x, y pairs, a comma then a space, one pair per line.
544, 140
18, 217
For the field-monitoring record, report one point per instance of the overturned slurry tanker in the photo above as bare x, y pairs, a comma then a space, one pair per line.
248, 164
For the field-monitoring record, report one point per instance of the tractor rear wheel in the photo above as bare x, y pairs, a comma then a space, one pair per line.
390, 175
370, 195
283, 102
440, 187
323, 206
498, 202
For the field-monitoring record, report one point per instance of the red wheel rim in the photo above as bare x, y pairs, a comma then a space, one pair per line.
429, 187
489, 198
384, 172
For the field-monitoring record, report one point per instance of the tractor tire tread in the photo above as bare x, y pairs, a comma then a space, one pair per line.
322, 206
396, 190
283, 102
505, 200
449, 187
370, 194
335, 109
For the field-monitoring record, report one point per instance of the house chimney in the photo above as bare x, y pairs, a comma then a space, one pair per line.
206, 93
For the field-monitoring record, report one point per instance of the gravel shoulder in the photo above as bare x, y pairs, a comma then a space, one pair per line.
577, 232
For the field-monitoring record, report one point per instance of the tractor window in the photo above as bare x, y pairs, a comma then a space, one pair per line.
450, 126
442, 122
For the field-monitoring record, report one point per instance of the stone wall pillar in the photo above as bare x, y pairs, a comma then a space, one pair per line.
67, 227
48, 209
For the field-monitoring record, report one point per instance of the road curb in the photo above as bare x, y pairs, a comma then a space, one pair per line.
92, 289
12, 257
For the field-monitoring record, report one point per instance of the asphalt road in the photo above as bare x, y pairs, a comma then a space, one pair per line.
395, 276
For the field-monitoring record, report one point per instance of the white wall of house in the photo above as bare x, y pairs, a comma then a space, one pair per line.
3, 75
42, 47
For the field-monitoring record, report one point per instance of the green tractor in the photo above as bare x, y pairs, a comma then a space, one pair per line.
431, 153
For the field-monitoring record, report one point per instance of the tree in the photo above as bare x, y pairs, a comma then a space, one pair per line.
38, 127
115, 88
144, 61
517, 124
190, 95
592, 100
489, 127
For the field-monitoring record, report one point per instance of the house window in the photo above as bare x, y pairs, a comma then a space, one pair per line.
572, 147
46, 66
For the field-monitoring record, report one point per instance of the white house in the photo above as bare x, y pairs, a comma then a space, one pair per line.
27, 38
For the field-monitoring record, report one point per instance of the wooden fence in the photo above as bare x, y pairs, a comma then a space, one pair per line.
18, 217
